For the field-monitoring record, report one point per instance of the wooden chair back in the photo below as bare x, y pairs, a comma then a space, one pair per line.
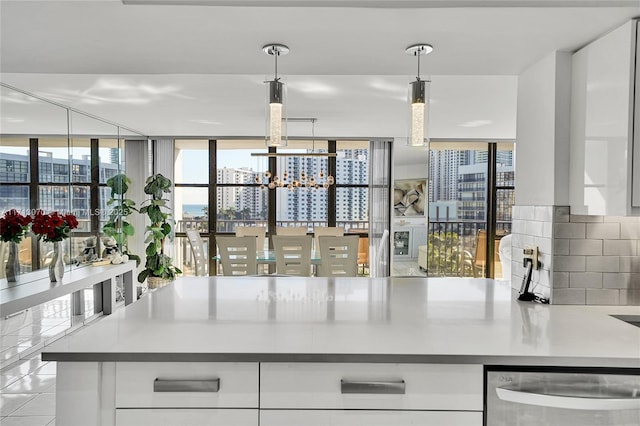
197, 250
320, 231
253, 231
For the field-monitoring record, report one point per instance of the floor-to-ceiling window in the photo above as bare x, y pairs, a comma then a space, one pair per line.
313, 183
462, 218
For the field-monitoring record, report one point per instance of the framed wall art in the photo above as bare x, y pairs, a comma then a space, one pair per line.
409, 197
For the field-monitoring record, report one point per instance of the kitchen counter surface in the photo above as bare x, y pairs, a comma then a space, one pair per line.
286, 319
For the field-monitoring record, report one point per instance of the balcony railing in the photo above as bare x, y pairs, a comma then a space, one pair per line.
452, 245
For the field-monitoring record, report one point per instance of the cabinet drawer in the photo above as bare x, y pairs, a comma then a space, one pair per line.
186, 416
369, 418
182, 384
371, 386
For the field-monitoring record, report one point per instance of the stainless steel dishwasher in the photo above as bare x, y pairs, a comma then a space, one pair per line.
554, 396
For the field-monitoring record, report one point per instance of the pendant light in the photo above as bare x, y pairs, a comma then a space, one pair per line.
276, 132
419, 100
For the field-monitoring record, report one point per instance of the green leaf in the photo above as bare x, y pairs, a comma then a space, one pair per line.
166, 229
151, 249
143, 276
127, 229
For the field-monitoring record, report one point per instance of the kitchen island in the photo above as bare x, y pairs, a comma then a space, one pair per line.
266, 350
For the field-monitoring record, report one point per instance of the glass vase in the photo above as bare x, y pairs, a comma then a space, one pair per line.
12, 269
56, 267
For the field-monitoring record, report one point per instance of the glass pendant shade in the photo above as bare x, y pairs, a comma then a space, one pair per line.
419, 104
276, 134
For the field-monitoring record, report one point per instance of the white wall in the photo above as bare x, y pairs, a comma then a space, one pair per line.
542, 132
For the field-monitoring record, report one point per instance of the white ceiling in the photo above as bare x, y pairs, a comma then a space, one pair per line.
199, 70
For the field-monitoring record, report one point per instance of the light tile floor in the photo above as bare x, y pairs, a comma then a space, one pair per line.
27, 384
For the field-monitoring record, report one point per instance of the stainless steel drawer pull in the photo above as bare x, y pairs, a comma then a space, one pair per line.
164, 385
352, 386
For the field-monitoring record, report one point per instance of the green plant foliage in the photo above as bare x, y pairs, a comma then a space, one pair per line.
119, 208
157, 263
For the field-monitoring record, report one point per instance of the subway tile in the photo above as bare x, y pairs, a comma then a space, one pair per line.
621, 280
543, 213
568, 296
630, 231
561, 214
542, 277
561, 247
585, 247
629, 264
630, 297
603, 264
603, 231
561, 279
620, 248
585, 279
569, 263
515, 212
533, 228
580, 218
622, 219
517, 226
547, 229
527, 212
545, 245
603, 297
569, 230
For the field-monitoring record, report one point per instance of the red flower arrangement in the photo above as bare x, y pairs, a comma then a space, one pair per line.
14, 226
54, 226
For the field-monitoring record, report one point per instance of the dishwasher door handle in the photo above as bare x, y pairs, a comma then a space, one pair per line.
595, 402
166, 385
372, 387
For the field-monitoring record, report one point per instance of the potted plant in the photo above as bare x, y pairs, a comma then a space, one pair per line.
158, 269
120, 207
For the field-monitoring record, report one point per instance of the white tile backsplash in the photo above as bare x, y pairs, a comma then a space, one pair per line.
586, 259
569, 263
584, 218
603, 231
620, 248
585, 279
630, 231
569, 296
585, 247
570, 230
603, 297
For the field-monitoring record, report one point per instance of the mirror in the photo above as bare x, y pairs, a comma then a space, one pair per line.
68, 144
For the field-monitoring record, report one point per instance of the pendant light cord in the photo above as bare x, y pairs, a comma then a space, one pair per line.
276, 54
418, 55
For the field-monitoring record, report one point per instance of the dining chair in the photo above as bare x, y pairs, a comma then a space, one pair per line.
293, 254
197, 250
291, 230
237, 255
320, 231
339, 256
253, 231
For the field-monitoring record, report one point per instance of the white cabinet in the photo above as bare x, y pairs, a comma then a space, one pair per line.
182, 417
407, 239
369, 418
371, 394
603, 175
185, 384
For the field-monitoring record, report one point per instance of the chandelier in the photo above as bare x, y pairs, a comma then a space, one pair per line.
305, 179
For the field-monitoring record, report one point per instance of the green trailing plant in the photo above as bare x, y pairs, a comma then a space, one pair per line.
120, 207
157, 263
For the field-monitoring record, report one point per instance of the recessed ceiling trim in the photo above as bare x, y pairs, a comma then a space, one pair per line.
386, 4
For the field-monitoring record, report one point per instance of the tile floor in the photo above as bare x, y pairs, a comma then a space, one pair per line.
27, 384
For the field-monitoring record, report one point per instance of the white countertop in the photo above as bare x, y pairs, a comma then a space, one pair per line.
354, 320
